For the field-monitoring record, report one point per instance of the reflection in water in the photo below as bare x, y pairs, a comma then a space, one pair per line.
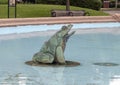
22, 81
54, 76
50, 75
17, 79
115, 80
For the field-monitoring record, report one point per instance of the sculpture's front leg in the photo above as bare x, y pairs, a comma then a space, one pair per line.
60, 55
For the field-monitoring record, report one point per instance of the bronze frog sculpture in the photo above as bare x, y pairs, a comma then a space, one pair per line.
52, 51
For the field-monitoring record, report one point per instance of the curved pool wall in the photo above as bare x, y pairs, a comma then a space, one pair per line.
100, 44
33, 28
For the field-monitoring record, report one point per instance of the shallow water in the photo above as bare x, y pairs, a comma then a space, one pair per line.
95, 45
86, 48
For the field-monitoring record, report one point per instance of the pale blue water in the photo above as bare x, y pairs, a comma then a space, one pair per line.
86, 48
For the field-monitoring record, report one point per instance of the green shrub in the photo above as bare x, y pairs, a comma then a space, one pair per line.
47, 1
92, 4
39, 1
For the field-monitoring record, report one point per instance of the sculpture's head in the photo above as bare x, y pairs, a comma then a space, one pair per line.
64, 31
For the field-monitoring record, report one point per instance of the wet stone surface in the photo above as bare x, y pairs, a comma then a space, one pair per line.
68, 64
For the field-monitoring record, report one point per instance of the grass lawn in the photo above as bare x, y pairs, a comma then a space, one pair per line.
40, 10
3, 1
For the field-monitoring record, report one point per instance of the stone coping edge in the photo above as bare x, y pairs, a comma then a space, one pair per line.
55, 20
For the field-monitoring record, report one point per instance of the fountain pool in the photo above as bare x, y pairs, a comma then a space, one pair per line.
95, 45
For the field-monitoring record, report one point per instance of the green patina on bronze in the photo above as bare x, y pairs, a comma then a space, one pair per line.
52, 50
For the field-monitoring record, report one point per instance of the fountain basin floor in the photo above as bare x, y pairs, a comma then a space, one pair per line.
87, 46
